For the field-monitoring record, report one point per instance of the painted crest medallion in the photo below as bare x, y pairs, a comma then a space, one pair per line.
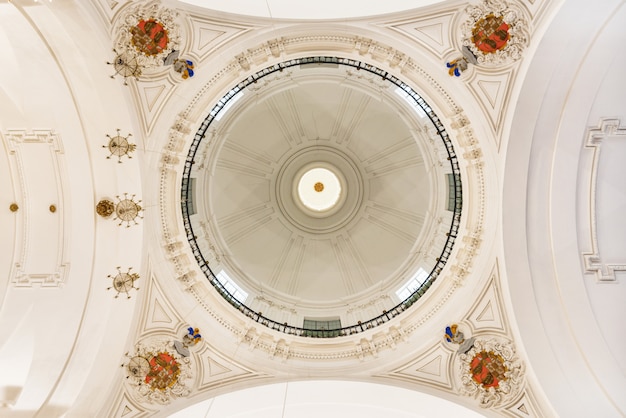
490, 33
455, 336
190, 339
149, 37
491, 372
146, 33
488, 369
157, 372
164, 371
495, 32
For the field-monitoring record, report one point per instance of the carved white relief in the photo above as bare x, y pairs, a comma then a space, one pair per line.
432, 368
492, 91
215, 371
125, 407
206, 229
127, 23
488, 314
270, 303
432, 31
377, 300
157, 312
206, 35
498, 10
260, 85
594, 261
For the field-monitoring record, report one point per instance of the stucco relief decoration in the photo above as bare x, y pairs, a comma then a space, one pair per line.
158, 372
148, 37
495, 32
491, 372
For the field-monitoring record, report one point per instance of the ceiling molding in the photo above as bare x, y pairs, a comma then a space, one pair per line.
150, 96
434, 31
216, 371
492, 90
608, 131
208, 35
431, 368
157, 312
41, 242
488, 313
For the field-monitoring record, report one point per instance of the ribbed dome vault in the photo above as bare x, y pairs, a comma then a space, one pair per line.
322, 186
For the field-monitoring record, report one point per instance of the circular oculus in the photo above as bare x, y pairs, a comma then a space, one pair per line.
319, 189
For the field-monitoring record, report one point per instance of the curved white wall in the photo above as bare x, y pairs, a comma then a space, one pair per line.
329, 399
568, 320
323, 9
58, 322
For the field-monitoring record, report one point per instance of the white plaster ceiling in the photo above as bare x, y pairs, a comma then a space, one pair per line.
327, 398
62, 346
566, 257
325, 9
55, 264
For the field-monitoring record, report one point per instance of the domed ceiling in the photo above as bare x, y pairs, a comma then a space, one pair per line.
321, 185
320, 191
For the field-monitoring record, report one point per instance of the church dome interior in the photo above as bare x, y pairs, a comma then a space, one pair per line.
286, 209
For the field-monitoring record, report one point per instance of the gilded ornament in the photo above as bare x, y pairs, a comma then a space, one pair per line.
491, 372
146, 34
163, 372
119, 146
127, 210
123, 282
460, 64
495, 32
105, 208
126, 65
158, 373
